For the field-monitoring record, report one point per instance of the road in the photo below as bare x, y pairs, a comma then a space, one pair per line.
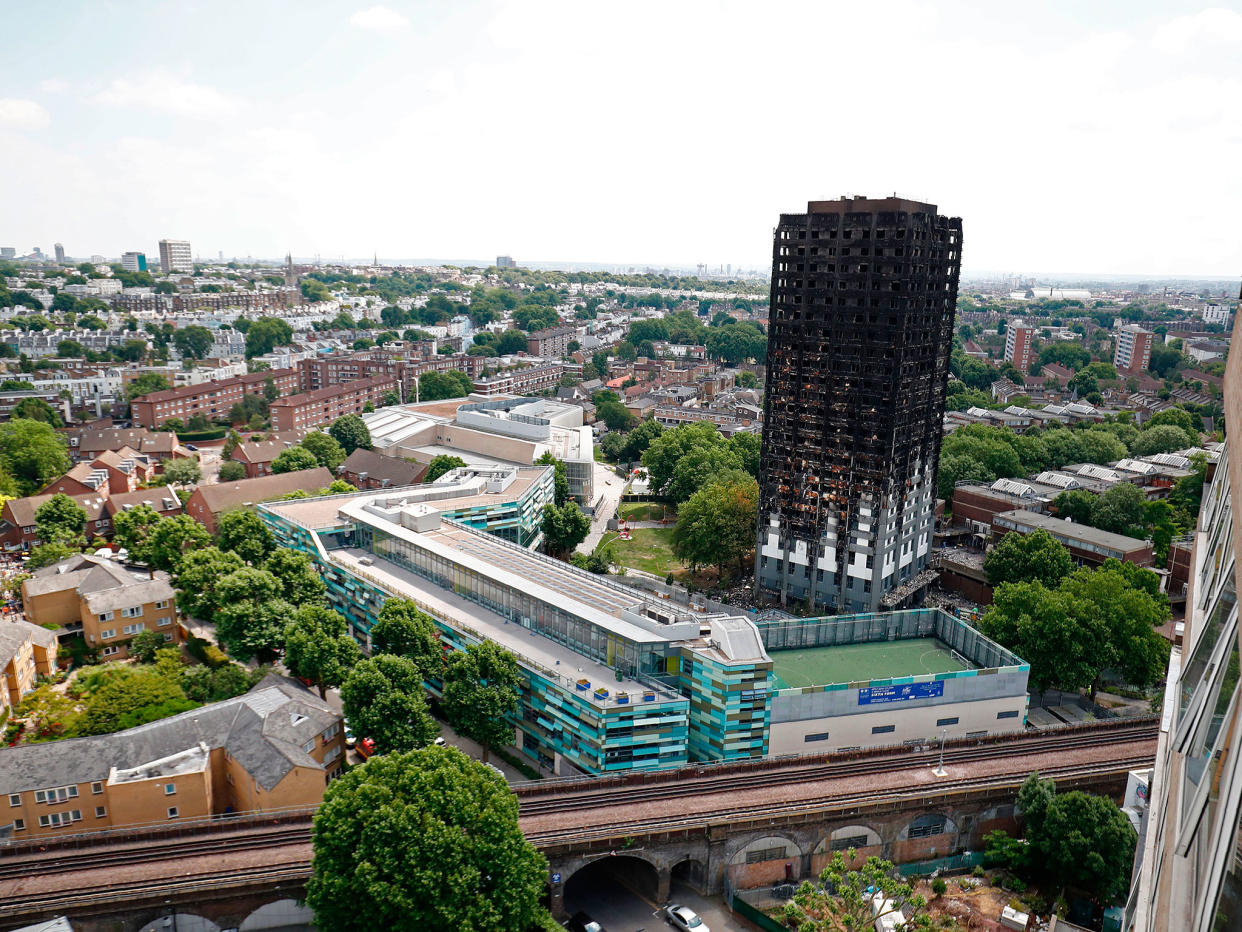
619, 910
609, 488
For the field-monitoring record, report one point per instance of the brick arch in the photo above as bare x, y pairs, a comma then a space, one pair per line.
634, 870
748, 867
865, 839
928, 834
158, 924
287, 911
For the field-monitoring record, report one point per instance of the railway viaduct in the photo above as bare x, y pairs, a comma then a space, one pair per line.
742, 824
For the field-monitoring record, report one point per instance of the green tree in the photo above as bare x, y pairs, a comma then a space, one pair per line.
1086, 841
196, 578
327, 452
182, 471
265, 334
511, 341
440, 464
252, 627
47, 554
1035, 623
748, 448
666, 451
145, 384
231, 471
426, 840
300, 584
171, 539
640, 438
560, 477
564, 528
32, 453
350, 431
243, 532
434, 386
37, 409
1163, 438
131, 697
60, 520
403, 629
481, 694
1076, 505
293, 459
717, 523
384, 700
1036, 557
132, 530
318, 649
699, 466
1120, 510
193, 341
849, 905
144, 644
614, 415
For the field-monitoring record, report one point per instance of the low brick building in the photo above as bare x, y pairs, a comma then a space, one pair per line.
27, 652
212, 400
366, 469
106, 601
274, 747
210, 501
324, 405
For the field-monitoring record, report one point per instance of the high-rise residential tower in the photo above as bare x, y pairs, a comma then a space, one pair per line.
1020, 345
175, 256
861, 325
134, 261
60, 252
1132, 352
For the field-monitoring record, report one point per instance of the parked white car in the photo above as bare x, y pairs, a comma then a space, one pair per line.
685, 918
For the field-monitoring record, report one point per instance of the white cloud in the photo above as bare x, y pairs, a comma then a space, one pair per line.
22, 114
167, 93
1211, 25
379, 18
53, 86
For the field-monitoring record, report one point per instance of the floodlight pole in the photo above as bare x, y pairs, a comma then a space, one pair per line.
940, 771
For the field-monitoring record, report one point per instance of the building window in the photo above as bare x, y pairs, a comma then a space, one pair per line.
942, 722
818, 736
765, 854
19, 825
170, 789
100, 812
162, 603
105, 616
172, 812
15, 799
1010, 714
883, 729
97, 787
109, 633
163, 622
109, 651
134, 611
135, 628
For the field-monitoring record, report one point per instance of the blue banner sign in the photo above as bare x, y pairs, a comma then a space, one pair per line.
872, 695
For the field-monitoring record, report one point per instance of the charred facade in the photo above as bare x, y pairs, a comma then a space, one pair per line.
861, 327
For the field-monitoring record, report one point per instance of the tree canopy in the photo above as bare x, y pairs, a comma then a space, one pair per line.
60, 520
317, 647
717, 523
1035, 557
384, 700
32, 453
564, 528
423, 840
350, 431
481, 693
293, 459
440, 464
243, 532
403, 629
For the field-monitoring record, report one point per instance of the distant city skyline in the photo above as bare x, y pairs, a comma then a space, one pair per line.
1065, 133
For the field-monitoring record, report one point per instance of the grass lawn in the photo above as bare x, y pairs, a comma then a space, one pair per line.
647, 511
650, 550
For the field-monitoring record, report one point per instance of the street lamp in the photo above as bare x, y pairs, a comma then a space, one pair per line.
939, 771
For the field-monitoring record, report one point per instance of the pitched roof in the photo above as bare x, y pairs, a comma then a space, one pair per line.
225, 495
163, 499
260, 451
23, 509
16, 633
105, 584
263, 730
396, 471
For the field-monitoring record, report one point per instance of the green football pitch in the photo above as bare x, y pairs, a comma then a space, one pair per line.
820, 666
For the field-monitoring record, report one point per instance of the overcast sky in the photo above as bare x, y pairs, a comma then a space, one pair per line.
1074, 137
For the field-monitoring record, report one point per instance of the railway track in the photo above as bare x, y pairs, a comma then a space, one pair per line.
748, 780
837, 803
64, 860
